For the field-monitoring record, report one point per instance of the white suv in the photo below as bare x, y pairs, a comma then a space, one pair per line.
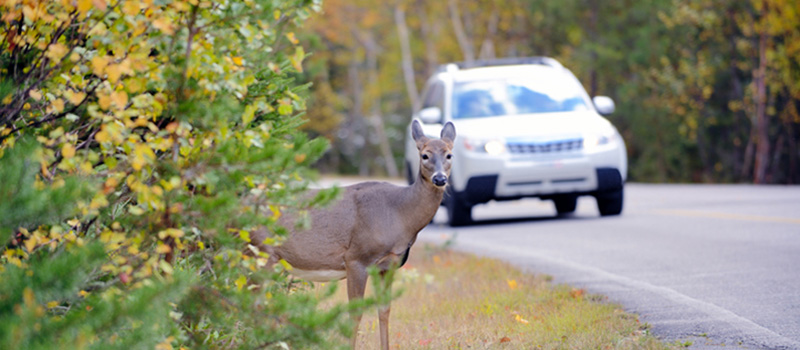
526, 128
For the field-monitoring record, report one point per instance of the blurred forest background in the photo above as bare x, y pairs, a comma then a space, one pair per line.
706, 90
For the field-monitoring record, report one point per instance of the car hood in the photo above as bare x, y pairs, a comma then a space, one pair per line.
535, 126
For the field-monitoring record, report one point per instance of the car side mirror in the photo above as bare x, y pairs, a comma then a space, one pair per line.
430, 115
604, 105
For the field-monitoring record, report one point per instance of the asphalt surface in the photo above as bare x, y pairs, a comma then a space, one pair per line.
717, 265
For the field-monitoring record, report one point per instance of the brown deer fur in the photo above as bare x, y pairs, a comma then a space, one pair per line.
372, 224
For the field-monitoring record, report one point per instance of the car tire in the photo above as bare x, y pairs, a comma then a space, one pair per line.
610, 202
565, 204
459, 212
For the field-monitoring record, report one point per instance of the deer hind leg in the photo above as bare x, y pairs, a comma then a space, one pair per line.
356, 285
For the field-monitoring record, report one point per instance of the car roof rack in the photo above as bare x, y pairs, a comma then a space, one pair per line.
508, 61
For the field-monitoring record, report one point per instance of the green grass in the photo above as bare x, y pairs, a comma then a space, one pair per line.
457, 301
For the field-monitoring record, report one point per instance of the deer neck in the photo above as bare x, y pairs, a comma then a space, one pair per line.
421, 202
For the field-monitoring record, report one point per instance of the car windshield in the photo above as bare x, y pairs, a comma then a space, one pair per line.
543, 94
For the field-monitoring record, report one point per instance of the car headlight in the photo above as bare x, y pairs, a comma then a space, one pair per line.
593, 141
492, 147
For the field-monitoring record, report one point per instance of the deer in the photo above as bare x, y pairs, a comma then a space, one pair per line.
371, 224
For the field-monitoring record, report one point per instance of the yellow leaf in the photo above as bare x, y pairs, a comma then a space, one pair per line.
58, 105
240, 282
297, 59
142, 155
98, 29
131, 8
292, 38
101, 4
512, 284
245, 235
99, 64
76, 97
166, 267
276, 212
52, 304
104, 100
165, 345
30, 12
84, 6
277, 14
114, 71
299, 158
57, 51
99, 201
201, 245
237, 60
170, 232
163, 248
249, 114
164, 25
68, 151
136, 210
101, 136
120, 98
35, 94
30, 244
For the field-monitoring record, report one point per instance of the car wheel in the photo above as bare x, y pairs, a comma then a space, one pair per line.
610, 203
459, 212
565, 204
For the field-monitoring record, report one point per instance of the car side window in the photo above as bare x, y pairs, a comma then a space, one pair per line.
434, 96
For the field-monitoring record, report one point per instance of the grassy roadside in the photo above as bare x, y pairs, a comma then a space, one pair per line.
457, 301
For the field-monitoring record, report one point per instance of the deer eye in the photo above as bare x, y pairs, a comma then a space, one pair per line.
449, 156
425, 157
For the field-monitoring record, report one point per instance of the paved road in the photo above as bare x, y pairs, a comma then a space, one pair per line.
715, 264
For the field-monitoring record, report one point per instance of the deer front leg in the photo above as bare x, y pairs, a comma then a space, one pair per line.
356, 284
383, 311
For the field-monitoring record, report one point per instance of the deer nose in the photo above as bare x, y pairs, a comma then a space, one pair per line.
439, 179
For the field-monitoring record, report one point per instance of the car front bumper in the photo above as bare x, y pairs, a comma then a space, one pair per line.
512, 178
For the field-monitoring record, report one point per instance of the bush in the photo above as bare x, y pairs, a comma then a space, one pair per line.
141, 142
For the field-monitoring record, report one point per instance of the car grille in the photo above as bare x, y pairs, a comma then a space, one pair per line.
548, 147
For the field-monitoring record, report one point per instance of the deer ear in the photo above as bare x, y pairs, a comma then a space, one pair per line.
418, 134
449, 133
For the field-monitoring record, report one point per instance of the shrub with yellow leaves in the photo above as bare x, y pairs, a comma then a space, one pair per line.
137, 139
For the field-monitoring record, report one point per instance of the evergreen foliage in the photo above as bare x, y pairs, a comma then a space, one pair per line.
140, 144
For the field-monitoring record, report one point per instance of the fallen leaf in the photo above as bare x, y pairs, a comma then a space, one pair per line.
512, 284
505, 340
577, 293
425, 342
519, 319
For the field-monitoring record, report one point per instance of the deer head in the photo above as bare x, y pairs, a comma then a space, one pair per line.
435, 155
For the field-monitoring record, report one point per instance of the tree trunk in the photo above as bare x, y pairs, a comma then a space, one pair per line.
430, 31
357, 139
408, 63
376, 120
487, 50
762, 124
593, 54
463, 39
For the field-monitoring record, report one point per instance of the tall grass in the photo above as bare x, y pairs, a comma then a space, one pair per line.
457, 301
